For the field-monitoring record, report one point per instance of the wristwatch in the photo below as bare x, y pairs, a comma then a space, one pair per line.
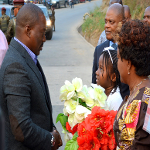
52, 140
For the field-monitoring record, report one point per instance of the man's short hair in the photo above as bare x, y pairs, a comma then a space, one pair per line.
118, 9
28, 15
115, 1
126, 8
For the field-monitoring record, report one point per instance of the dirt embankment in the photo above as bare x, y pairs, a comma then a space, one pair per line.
93, 39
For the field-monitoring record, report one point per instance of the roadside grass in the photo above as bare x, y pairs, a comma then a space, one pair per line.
94, 24
137, 7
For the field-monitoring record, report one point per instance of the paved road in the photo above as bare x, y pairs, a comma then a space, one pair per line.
67, 55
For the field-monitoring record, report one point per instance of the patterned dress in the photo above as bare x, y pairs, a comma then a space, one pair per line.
129, 122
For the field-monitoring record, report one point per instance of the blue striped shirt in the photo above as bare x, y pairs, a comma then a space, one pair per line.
33, 56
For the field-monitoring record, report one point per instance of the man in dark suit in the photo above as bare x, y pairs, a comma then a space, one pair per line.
114, 15
24, 92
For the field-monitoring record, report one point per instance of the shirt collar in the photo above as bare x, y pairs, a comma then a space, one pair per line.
33, 56
111, 43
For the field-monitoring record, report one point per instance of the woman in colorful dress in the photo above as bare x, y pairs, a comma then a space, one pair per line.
134, 68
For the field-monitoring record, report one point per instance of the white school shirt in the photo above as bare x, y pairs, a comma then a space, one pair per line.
114, 100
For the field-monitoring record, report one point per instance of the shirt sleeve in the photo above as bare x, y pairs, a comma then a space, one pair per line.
102, 38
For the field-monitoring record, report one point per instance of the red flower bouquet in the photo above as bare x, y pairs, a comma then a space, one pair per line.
96, 132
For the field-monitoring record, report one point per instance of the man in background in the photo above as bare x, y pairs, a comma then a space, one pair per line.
10, 33
4, 20
147, 15
53, 16
102, 37
115, 1
127, 13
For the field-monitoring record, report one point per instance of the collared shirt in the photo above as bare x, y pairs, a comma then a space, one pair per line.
111, 43
3, 47
102, 38
114, 100
33, 56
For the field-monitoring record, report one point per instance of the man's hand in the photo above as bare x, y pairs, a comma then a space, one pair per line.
58, 141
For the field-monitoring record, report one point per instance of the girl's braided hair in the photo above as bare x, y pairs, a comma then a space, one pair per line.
113, 67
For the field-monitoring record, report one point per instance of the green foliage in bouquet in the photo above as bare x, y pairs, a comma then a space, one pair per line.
63, 119
72, 144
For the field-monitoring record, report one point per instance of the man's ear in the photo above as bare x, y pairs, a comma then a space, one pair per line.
113, 77
28, 30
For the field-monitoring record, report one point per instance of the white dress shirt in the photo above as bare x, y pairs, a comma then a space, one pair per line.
102, 38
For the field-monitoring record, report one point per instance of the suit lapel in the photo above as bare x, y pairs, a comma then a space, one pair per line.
107, 43
45, 85
100, 50
32, 65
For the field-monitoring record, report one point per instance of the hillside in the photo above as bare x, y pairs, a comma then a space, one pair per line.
94, 24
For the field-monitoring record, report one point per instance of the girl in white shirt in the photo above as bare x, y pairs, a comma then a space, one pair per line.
108, 77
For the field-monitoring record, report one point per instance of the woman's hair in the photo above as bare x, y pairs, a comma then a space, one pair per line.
134, 45
111, 67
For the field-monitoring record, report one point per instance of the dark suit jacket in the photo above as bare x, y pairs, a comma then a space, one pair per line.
25, 102
97, 53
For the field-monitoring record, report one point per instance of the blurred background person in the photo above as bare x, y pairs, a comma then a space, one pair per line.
53, 16
4, 20
69, 1
115, 1
147, 15
10, 33
134, 68
127, 13
72, 4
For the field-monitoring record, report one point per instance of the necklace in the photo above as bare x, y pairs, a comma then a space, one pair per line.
136, 87
128, 100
